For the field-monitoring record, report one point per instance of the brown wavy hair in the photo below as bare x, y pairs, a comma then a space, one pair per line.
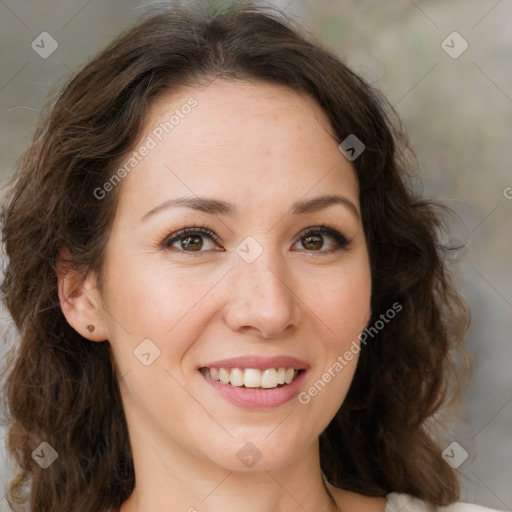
62, 388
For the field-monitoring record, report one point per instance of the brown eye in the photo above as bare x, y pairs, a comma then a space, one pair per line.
189, 240
192, 242
313, 240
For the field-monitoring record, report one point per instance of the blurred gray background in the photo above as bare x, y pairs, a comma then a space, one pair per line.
453, 92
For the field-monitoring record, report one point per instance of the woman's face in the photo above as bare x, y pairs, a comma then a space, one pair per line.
266, 289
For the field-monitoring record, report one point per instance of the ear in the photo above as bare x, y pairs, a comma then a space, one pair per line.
80, 300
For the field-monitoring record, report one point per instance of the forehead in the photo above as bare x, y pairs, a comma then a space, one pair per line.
238, 139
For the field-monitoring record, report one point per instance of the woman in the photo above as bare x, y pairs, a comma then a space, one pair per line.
227, 296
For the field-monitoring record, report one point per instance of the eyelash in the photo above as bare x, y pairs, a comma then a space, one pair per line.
341, 241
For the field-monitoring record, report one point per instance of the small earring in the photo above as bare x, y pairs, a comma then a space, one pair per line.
90, 327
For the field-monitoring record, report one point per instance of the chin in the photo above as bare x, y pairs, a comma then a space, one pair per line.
260, 451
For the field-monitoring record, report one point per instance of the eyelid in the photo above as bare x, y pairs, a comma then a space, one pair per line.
201, 230
323, 229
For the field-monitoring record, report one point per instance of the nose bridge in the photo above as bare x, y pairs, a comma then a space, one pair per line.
265, 274
262, 295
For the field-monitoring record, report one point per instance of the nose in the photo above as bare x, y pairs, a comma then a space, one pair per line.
262, 298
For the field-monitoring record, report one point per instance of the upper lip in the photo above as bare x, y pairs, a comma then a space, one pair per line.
258, 362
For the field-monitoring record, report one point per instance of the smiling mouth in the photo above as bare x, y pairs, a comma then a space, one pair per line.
252, 378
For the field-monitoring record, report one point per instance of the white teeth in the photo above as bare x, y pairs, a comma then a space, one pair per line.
224, 376
237, 377
252, 377
269, 378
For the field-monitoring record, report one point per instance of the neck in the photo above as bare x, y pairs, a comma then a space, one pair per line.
173, 487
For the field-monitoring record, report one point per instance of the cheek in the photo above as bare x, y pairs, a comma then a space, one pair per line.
155, 302
141, 293
342, 304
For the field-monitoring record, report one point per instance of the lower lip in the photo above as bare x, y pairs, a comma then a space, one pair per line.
258, 398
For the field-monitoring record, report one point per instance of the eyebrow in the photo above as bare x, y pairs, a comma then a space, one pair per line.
217, 207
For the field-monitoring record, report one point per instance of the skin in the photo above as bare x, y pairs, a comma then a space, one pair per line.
262, 147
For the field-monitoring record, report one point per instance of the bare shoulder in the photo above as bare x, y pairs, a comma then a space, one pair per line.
348, 500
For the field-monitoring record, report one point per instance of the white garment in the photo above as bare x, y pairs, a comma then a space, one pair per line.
400, 502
